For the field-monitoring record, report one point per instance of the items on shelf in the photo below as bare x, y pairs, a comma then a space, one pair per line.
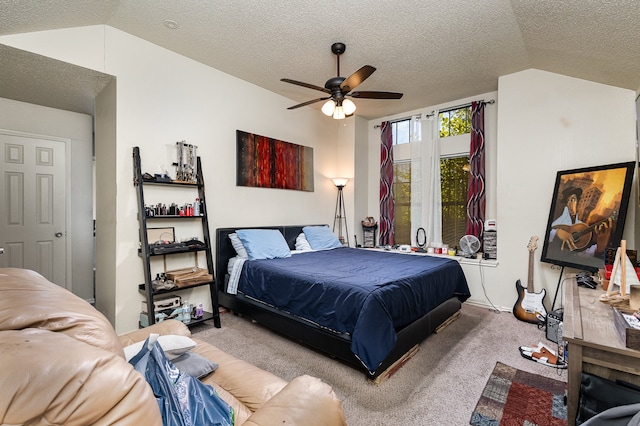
171, 307
186, 312
188, 209
162, 283
186, 277
186, 164
158, 244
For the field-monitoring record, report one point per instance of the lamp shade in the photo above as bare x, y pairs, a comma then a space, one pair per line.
339, 114
328, 107
340, 182
348, 106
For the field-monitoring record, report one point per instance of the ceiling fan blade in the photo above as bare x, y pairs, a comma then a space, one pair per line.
307, 85
356, 78
376, 95
309, 102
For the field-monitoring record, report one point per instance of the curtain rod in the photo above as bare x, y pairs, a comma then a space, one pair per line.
418, 116
491, 101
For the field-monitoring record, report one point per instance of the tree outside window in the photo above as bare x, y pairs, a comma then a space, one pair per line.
455, 122
402, 200
454, 178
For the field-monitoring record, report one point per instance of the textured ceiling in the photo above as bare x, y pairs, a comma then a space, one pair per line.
432, 51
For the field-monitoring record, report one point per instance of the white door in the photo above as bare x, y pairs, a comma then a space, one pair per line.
33, 210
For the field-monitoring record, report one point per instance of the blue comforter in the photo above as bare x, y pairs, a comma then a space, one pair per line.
367, 294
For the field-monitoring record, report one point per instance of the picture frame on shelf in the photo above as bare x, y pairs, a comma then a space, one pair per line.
165, 235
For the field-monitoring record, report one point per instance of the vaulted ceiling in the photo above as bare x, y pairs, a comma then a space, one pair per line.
432, 51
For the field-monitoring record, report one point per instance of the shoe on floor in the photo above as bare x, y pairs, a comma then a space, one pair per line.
543, 355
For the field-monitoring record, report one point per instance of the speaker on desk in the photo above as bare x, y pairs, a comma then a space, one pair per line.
554, 326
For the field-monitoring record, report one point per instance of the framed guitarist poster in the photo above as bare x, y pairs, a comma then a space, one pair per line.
588, 210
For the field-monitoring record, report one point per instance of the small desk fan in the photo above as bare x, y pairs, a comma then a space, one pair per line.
469, 244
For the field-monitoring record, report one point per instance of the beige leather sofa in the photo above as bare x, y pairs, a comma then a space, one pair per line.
62, 363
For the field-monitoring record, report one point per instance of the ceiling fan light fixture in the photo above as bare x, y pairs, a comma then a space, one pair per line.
338, 87
329, 107
339, 114
348, 106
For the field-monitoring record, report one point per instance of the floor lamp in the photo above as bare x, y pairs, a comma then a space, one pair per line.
341, 215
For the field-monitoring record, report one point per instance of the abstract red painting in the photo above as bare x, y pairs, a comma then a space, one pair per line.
271, 163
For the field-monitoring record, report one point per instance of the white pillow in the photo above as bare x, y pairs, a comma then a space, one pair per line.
173, 346
302, 244
238, 246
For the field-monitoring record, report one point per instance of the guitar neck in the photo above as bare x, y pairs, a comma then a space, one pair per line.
530, 278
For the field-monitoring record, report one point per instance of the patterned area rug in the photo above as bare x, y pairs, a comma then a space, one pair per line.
515, 397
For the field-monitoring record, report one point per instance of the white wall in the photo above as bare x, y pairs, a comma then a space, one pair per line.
106, 208
161, 98
77, 130
541, 123
548, 123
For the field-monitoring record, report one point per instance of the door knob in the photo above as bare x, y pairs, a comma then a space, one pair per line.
58, 234
1, 250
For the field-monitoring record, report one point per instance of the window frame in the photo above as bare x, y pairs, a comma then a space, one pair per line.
448, 157
394, 131
454, 110
450, 146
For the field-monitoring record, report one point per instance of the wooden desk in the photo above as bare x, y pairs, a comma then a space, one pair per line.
594, 345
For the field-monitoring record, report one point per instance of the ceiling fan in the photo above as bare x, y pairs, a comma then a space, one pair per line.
338, 88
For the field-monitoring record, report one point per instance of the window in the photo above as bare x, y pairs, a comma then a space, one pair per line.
402, 200
454, 179
400, 131
454, 174
455, 122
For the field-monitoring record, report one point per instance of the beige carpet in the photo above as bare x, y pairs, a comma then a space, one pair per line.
440, 385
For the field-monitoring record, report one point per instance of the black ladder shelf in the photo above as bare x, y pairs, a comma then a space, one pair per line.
147, 254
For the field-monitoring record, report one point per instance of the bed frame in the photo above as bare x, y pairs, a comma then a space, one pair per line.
335, 345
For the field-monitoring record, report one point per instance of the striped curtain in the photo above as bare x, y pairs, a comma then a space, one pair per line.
476, 190
387, 205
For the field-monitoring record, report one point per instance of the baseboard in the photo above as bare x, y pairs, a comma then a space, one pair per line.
488, 306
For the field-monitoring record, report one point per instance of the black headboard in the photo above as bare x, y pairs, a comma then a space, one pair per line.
225, 251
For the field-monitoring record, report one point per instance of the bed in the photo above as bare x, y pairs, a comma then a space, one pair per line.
365, 308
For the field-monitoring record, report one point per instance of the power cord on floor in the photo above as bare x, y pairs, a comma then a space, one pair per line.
493, 307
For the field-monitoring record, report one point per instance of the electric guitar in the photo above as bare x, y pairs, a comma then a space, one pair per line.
530, 305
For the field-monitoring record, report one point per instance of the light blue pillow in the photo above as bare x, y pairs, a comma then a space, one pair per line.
321, 237
264, 243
